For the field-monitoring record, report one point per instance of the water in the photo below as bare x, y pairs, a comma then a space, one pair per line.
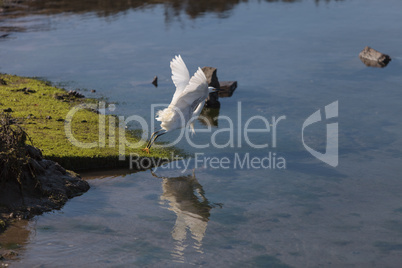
290, 59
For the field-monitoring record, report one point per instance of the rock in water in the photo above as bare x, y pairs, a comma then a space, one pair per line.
223, 89
155, 81
227, 88
212, 78
373, 58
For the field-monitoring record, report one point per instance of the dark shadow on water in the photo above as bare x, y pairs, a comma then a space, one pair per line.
81, 164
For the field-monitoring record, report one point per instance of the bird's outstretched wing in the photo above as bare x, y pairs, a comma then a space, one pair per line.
195, 92
180, 76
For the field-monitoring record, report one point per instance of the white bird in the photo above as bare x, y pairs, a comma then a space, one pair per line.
187, 102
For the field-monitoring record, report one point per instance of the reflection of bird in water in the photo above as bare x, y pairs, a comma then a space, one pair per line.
187, 102
187, 200
209, 117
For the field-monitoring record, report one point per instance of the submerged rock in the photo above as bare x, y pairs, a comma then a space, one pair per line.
373, 58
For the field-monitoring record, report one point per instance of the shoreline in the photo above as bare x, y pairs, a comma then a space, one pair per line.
40, 109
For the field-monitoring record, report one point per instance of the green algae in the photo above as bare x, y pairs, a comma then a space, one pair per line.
42, 111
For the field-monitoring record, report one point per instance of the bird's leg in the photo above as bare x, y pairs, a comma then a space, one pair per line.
146, 149
153, 134
152, 139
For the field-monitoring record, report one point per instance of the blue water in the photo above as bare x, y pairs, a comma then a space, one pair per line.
290, 59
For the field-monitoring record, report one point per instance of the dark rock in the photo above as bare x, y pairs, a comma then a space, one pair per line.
8, 110
43, 185
373, 58
75, 94
58, 96
33, 152
155, 81
25, 90
212, 78
84, 121
93, 110
3, 82
45, 163
34, 166
60, 120
227, 88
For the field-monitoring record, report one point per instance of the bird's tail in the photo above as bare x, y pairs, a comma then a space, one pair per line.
165, 115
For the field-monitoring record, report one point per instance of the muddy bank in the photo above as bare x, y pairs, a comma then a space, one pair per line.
42, 185
35, 152
30, 184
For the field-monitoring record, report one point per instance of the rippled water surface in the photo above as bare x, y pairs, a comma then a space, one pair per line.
290, 59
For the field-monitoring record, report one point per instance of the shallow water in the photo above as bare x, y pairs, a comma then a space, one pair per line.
290, 58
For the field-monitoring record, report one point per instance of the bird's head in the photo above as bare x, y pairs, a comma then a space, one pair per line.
211, 89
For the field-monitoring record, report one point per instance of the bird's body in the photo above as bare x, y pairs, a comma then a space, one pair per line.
187, 102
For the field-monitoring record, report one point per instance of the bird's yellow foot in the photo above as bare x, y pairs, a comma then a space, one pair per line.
146, 150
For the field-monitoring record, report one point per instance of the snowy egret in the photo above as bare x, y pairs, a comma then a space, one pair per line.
187, 102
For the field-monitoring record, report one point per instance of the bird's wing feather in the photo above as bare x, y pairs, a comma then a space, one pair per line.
180, 76
195, 91
188, 99
196, 113
198, 109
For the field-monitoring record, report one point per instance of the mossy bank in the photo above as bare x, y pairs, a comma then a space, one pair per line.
34, 114
42, 110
